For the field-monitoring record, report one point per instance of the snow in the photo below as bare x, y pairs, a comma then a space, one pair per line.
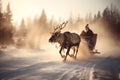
42, 64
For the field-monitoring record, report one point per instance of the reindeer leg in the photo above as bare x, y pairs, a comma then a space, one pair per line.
76, 52
72, 55
67, 53
61, 52
73, 52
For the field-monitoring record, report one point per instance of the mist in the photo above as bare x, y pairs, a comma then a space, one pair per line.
37, 38
26, 53
35, 33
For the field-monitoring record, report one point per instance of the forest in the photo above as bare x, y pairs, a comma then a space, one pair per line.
31, 32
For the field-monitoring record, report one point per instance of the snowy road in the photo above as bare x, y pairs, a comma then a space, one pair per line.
36, 68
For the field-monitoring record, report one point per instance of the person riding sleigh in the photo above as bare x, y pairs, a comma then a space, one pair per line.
88, 35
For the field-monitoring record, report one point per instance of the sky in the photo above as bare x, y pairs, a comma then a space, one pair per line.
56, 8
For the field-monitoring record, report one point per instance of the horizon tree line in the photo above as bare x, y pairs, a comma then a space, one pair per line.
41, 25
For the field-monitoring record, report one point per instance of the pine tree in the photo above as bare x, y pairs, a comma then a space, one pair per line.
42, 23
6, 28
111, 17
98, 15
70, 20
8, 15
8, 25
1, 15
22, 30
43, 19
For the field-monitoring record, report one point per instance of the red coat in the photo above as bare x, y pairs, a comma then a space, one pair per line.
89, 33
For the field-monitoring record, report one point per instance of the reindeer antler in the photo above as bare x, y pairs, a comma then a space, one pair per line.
55, 28
60, 27
64, 23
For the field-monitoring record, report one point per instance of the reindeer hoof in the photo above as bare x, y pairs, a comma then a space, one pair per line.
71, 55
64, 60
75, 58
63, 56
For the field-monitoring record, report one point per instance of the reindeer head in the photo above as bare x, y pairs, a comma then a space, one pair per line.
57, 32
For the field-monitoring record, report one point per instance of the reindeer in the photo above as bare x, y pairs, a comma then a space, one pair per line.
67, 40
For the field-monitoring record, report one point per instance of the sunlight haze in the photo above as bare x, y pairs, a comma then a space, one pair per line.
55, 8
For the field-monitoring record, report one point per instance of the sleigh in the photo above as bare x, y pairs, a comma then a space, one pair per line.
91, 42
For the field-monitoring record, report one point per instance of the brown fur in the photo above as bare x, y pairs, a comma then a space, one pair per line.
66, 40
